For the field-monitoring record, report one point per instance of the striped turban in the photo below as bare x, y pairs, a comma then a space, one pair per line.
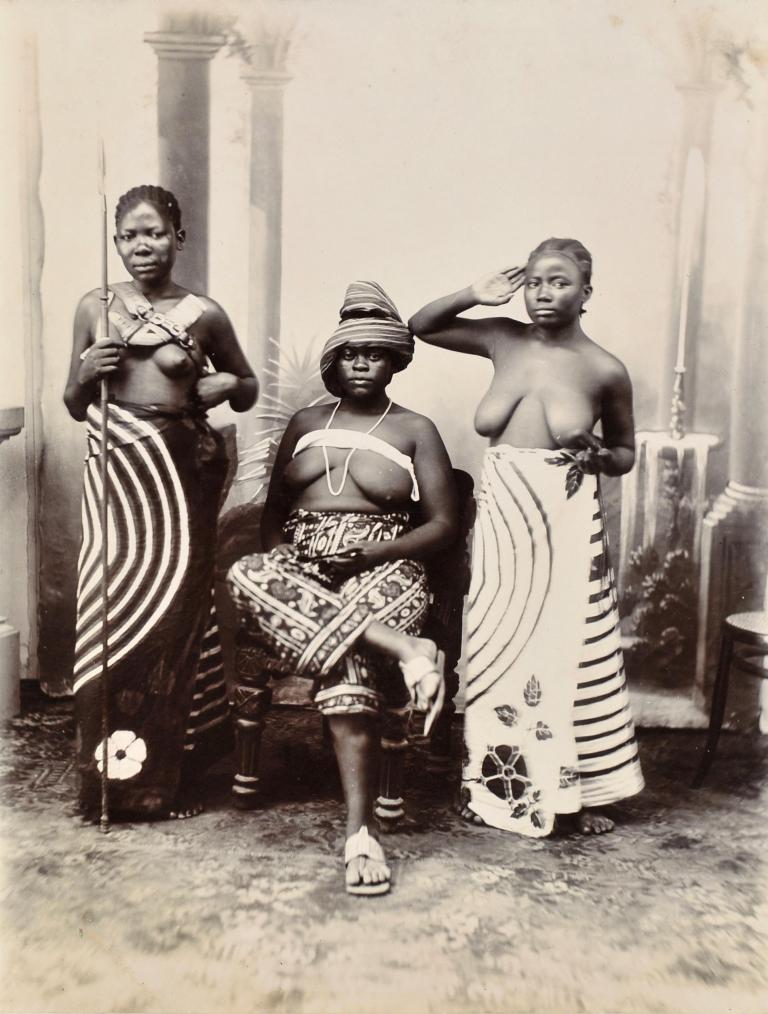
368, 317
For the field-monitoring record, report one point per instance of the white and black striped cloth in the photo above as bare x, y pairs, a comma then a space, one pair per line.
548, 727
167, 695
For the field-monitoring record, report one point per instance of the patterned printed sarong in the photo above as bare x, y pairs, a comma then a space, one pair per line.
167, 699
548, 727
308, 621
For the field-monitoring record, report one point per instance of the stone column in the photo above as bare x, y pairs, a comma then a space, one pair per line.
735, 537
266, 77
184, 51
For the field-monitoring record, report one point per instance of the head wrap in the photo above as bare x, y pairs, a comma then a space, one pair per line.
570, 248
368, 317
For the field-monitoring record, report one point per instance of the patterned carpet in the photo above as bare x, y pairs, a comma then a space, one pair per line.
234, 912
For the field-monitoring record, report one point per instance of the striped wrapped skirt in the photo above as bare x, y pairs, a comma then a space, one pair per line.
167, 699
548, 727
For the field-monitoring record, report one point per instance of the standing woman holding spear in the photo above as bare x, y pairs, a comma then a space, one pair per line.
154, 478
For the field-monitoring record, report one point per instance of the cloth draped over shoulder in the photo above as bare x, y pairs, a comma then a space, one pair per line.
367, 317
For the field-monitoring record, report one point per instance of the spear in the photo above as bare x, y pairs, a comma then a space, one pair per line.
103, 401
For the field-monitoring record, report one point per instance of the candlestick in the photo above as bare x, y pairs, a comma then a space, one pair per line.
691, 219
677, 409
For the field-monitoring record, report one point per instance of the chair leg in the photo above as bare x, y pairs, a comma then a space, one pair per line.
252, 698
717, 711
327, 738
439, 761
394, 743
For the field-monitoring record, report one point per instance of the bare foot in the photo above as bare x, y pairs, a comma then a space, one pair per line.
187, 804
190, 811
594, 822
470, 816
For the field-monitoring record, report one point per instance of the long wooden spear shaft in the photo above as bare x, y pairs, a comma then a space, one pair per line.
103, 400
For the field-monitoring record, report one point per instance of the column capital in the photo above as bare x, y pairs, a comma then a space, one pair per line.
263, 43
185, 45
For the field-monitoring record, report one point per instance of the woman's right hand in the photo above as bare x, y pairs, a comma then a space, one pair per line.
100, 359
499, 287
591, 453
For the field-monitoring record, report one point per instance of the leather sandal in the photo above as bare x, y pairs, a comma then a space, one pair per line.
414, 672
361, 845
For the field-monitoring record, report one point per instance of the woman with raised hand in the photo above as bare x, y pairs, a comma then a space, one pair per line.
169, 356
339, 594
548, 728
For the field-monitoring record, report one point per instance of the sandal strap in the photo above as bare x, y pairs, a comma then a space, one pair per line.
416, 669
361, 844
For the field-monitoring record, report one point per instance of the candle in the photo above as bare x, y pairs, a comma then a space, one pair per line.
691, 221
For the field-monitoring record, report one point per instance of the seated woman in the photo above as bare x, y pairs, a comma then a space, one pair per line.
548, 728
340, 593
167, 467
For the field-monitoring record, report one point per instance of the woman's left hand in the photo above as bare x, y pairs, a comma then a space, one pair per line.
214, 388
357, 557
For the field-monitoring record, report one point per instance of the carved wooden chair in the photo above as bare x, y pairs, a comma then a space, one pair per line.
255, 686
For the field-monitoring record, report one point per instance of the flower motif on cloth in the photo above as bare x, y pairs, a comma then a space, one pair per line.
126, 754
532, 692
282, 591
507, 714
504, 769
569, 776
504, 772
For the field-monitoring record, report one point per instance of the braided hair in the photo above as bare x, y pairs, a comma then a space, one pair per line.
570, 248
162, 200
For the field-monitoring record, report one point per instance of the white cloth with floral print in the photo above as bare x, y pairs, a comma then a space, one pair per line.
527, 603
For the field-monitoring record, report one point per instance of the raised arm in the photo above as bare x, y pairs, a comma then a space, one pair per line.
438, 323
234, 380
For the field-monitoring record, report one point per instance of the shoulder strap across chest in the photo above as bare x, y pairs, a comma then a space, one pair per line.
145, 327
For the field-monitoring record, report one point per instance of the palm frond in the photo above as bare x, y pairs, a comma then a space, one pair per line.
296, 376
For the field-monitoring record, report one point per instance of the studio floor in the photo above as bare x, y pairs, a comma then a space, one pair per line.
245, 912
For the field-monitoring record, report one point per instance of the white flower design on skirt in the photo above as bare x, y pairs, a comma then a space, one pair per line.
126, 754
